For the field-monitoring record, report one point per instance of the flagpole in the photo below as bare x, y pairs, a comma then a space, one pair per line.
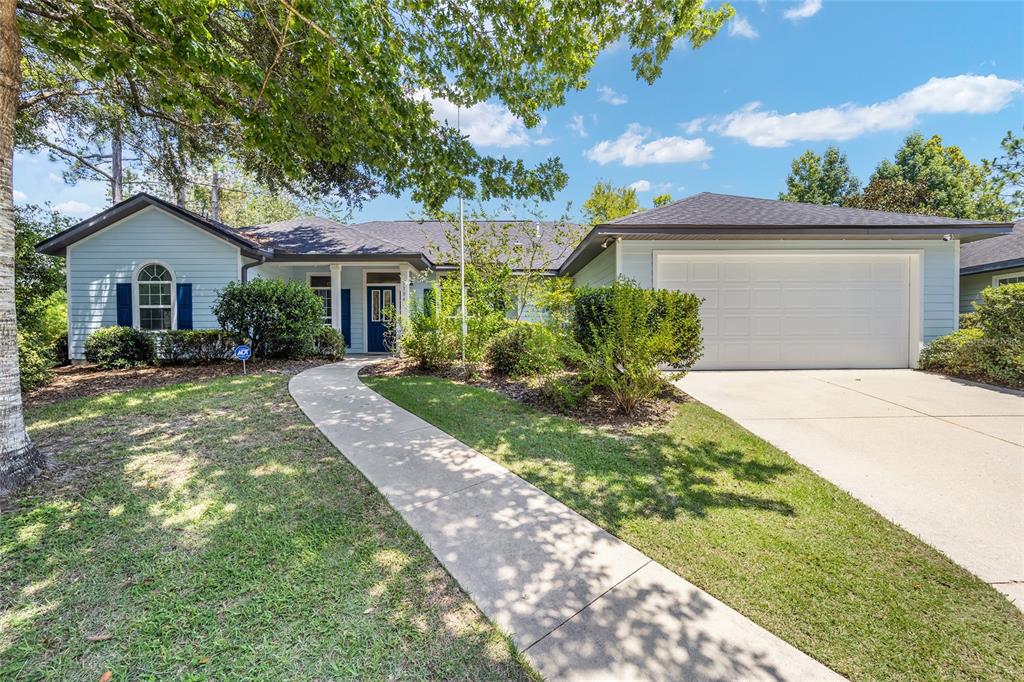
462, 259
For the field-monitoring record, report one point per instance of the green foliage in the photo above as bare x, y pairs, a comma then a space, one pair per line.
662, 199
120, 348
36, 277
1007, 171
525, 349
1001, 311
932, 178
566, 393
969, 320
329, 343
278, 318
824, 180
329, 95
33, 363
958, 353
194, 346
627, 332
608, 202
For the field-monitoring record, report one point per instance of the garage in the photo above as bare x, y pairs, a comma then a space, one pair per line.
799, 310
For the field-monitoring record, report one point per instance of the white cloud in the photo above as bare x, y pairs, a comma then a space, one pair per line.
694, 125
964, 94
576, 126
486, 124
608, 95
739, 26
640, 186
76, 208
762, 5
632, 149
807, 8
53, 177
20, 196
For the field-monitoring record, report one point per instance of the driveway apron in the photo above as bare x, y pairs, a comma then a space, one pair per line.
581, 603
942, 458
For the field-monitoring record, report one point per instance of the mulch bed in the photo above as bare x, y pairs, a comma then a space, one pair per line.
80, 381
597, 410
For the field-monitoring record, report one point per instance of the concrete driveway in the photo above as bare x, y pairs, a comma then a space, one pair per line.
942, 458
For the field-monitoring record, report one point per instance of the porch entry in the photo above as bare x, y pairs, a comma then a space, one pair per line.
378, 299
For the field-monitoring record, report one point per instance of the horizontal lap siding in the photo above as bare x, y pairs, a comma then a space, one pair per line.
112, 255
938, 264
600, 271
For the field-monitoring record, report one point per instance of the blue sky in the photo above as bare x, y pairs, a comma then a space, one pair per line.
784, 77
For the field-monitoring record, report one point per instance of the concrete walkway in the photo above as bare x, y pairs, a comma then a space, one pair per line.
582, 604
940, 457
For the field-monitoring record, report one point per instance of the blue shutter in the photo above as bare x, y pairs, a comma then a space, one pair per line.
346, 316
124, 304
184, 306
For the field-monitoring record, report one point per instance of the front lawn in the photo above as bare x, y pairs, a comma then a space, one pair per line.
742, 520
208, 531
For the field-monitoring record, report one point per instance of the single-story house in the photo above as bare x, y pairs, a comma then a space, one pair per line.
991, 263
785, 285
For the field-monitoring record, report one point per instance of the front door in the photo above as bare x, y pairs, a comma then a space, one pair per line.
378, 300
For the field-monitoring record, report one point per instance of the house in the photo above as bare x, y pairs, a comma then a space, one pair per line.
990, 263
784, 285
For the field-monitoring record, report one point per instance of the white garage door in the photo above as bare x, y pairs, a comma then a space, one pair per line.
796, 311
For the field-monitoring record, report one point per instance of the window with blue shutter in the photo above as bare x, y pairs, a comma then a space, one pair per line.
124, 304
346, 316
184, 305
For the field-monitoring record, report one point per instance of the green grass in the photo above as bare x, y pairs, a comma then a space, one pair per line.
208, 531
742, 520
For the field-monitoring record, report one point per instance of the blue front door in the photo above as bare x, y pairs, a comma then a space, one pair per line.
378, 300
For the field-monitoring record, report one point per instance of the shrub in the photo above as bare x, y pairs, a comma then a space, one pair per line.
957, 353
626, 333
329, 343
1001, 311
194, 346
33, 364
969, 320
120, 347
565, 393
432, 334
524, 349
278, 318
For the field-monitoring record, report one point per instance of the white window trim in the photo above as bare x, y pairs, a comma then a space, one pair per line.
997, 279
330, 288
136, 314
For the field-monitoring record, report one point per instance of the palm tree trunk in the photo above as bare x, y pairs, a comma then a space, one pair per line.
19, 459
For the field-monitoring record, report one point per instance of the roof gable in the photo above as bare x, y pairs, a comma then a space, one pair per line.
57, 244
997, 253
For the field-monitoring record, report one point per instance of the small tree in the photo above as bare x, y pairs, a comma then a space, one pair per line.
817, 179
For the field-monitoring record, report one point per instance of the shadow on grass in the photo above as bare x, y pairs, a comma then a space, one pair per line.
209, 530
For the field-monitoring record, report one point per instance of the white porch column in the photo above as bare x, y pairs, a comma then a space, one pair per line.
336, 297
403, 299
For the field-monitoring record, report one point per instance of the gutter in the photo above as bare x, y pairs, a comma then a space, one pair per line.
245, 268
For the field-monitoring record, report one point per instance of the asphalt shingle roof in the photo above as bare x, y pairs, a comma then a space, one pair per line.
1004, 249
710, 210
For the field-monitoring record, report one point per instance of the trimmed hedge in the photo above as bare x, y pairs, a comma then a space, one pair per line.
525, 349
277, 318
194, 346
120, 348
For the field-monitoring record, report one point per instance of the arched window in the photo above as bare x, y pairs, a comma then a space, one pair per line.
155, 298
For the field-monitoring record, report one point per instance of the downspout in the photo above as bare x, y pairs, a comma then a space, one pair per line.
245, 268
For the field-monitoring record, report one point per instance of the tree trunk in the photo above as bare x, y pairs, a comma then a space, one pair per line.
19, 459
116, 168
215, 196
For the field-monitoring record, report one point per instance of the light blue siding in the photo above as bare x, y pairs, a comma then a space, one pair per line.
600, 271
971, 286
938, 267
97, 263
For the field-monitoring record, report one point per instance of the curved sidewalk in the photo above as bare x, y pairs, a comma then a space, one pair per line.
582, 604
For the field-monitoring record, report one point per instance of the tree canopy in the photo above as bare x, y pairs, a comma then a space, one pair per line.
815, 179
608, 202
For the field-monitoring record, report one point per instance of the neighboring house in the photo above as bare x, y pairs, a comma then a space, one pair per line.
990, 263
784, 285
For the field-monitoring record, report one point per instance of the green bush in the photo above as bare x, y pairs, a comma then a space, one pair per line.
969, 320
278, 318
194, 346
626, 333
33, 363
432, 334
120, 347
1001, 311
329, 343
524, 349
566, 393
958, 353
